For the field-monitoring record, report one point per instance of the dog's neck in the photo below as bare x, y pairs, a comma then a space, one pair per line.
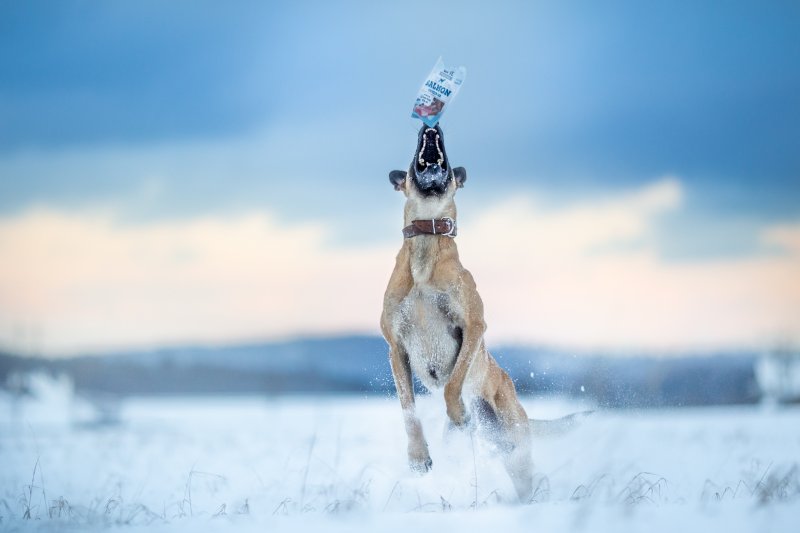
426, 250
429, 208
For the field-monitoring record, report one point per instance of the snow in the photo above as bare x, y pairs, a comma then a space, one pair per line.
338, 464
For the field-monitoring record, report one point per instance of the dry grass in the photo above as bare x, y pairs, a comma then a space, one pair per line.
774, 484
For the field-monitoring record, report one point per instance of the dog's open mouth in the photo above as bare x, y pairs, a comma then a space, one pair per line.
431, 172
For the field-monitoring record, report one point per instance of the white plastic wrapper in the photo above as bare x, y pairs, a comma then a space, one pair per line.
440, 87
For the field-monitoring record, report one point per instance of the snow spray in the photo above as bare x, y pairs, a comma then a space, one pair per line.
440, 87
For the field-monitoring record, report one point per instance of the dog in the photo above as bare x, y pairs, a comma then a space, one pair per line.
433, 321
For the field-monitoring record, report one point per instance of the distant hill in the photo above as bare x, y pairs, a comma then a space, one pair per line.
359, 364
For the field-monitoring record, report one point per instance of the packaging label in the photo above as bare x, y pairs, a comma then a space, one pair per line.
440, 87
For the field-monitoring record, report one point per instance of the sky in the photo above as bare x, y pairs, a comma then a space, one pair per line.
204, 172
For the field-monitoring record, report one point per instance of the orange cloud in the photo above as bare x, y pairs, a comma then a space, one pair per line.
91, 281
562, 276
560, 279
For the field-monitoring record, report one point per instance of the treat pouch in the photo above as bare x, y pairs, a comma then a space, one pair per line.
439, 88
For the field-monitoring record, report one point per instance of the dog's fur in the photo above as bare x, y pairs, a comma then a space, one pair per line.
433, 322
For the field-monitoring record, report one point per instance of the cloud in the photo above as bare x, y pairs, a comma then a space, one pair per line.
90, 281
584, 275
784, 237
561, 277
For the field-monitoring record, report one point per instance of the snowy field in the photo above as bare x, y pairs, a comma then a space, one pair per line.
338, 464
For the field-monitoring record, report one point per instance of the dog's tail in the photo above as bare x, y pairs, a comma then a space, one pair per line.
559, 426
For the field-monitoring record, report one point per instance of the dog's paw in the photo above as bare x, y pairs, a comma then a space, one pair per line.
459, 417
456, 411
465, 424
420, 466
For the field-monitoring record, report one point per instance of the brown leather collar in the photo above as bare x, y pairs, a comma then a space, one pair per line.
445, 227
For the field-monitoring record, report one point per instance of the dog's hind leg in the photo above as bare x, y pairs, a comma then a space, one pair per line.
512, 434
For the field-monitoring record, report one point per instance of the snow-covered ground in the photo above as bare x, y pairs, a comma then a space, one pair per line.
253, 464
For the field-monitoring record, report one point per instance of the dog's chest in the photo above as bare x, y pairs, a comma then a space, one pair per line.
428, 328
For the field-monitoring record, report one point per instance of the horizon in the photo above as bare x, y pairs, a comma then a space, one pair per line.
495, 349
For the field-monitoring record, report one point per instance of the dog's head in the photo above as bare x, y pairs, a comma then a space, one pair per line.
430, 173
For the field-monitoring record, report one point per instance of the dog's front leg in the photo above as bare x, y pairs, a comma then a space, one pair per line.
472, 343
418, 457
453, 389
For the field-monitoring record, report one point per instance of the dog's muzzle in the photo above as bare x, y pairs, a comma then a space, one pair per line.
431, 172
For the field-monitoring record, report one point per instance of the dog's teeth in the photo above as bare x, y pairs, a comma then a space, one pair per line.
420, 159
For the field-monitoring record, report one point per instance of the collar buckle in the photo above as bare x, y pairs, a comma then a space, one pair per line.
451, 227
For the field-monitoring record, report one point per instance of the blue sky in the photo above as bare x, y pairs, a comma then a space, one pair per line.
169, 111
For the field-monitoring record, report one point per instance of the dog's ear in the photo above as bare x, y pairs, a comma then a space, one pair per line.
398, 178
461, 175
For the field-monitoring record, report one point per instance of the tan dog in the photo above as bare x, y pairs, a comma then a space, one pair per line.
433, 320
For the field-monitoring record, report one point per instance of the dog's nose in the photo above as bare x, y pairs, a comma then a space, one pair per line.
433, 175
433, 178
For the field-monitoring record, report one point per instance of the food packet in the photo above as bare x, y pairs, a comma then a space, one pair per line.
440, 87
